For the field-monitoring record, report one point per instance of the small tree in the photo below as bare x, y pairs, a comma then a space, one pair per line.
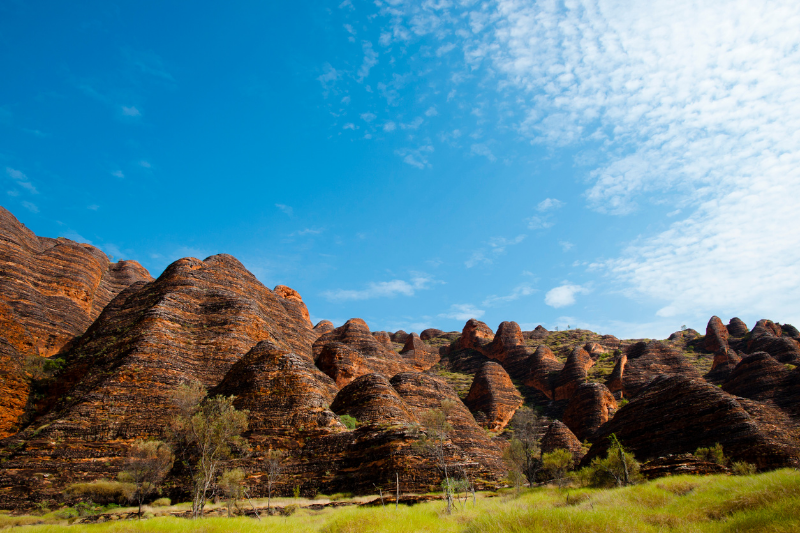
147, 465
557, 463
527, 429
514, 459
434, 441
619, 468
273, 464
210, 431
713, 454
231, 482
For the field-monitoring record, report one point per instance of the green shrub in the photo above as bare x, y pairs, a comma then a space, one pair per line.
102, 491
162, 502
557, 463
349, 421
289, 510
743, 468
713, 454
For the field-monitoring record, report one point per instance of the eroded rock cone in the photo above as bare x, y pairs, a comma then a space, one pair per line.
384, 338
51, 290
558, 436
642, 362
591, 406
323, 327
716, 335
544, 370
353, 351
784, 349
508, 336
676, 414
788, 330
758, 376
283, 391
423, 392
371, 399
292, 302
725, 360
493, 394
474, 336
539, 332
594, 350
684, 335
766, 327
417, 354
573, 374
399, 337
191, 324
430, 333
737, 328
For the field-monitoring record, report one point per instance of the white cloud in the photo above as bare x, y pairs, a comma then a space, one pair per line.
549, 204
93, 207
414, 124
368, 117
499, 244
145, 164
30, 206
539, 223
431, 112
382, 289
346, 100
477, 258
370, 60
22, 180
286, 209
563, 295
306, 231
131, 111
349, 126
328, 78
566, 245
518, 292
482, 149
389, 126
463, 312
416, 157
118, 174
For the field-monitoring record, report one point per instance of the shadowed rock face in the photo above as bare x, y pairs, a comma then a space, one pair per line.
559, 436
757, 376
716, 335
736, 327
431, 333
684, 335
642, 362
544, 370
539, 332
676, 414
193, 323
283, 391
784, 349
50, 292
423, 392
590, 407
788, 330
323, 327
350, 351
493, 394
573, 374
418, 355
474, 336
725, 360
399, 337
766, 327
372, 399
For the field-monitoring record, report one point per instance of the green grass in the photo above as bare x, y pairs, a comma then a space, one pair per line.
764, 502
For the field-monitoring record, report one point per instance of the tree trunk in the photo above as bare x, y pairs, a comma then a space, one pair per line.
397, 497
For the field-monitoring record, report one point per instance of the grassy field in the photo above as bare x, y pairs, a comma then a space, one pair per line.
764, 502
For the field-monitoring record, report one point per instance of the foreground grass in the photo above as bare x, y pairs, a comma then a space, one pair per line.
764, 502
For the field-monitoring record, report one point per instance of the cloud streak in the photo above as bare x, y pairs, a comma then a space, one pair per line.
382, 289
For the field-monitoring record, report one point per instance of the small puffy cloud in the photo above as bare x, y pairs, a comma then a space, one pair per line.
499, 244
389, 126
286, 209
368, 117
130, 111
382, 289
349, 126
563, 295
416, 157
549, 204
463, 312
483, 150
445, 48
414, 124
431, 112
566, 245
538, 223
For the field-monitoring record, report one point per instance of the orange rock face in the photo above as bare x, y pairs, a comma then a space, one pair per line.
736, 327
474, 336
371, 399
725, 360
493, 394
590, 407
292, 302
419, 355
642, 362
50, 292
573, 374
558, 436
716, 335
323, 327
350, 351
544, 370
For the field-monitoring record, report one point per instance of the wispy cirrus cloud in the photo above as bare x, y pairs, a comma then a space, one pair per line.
518, 292
463, 312
21, 180
383, 289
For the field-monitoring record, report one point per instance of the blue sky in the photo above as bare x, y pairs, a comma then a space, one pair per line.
626, 167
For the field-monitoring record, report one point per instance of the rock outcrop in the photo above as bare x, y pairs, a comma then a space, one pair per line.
539, 332
494, 395
419, 355
644, 361
766, 327
736, 327
676, 414
758, 376
591, 406
558, 436
293, 303
573, 374
350, 351
371, 399
323, 327
399, 337
544, 370
51, 290
716, 335
384, 338
725, 360
678, 464
474, 336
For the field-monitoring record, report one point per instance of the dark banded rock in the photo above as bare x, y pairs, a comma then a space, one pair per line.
493, 394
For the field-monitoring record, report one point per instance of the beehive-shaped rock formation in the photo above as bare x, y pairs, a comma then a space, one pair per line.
474, 336
642, 362
573, 374
417, 354
493, 394
716, 335
725, 360
558, 436
736, 327
591, 406
371, 399
544, 370
323, 327
758, 376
